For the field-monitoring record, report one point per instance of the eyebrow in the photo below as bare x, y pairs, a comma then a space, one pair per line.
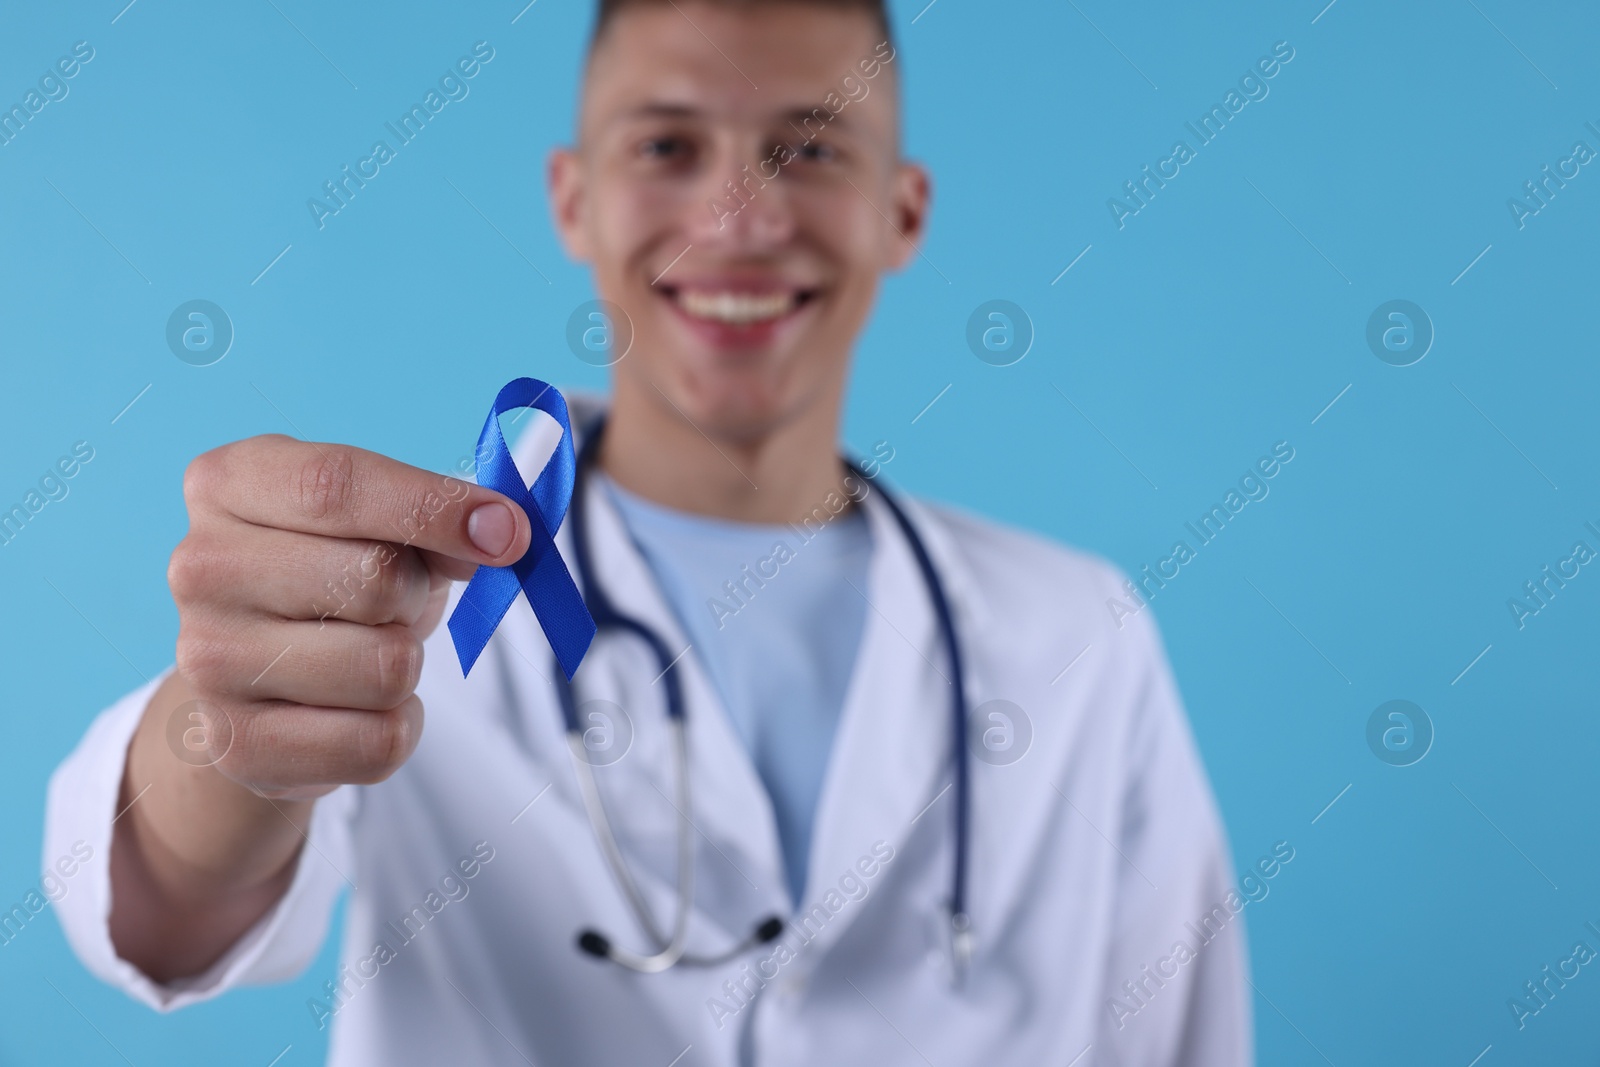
666, 109
660, 109
833, 119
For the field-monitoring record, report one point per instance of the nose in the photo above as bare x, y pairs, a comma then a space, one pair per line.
746, 208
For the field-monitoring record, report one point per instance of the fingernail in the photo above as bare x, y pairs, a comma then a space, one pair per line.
491, 528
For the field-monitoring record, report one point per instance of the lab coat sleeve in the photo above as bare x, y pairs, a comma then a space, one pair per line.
80, 810
1176, 982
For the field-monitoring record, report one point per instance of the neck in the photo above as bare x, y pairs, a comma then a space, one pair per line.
778, 475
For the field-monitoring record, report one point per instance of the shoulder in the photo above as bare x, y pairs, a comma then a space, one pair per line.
1036, 598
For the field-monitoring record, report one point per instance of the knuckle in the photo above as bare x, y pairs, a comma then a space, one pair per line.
194, 569
324, 485
265, 755
384, 741
202, 475
397, 665
242, 758
204, 661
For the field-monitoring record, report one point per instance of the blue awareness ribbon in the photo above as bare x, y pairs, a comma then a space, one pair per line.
540, 573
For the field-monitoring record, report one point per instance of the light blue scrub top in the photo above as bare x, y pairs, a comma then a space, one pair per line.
774, 620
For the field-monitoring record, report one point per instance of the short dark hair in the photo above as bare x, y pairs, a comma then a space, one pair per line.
877, 10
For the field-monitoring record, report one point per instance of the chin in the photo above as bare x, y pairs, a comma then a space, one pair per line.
735, 402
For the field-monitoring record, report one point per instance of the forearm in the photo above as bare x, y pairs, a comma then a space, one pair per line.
196, 859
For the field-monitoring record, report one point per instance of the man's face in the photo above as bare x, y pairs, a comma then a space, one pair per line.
744, 307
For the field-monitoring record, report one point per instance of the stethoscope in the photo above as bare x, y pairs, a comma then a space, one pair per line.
672, 947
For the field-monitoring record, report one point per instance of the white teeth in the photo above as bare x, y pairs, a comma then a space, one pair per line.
738, 308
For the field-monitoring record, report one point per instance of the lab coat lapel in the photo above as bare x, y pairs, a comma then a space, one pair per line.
891, 756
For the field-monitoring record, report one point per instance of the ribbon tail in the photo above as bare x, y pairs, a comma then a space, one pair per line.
559, 607
487, 598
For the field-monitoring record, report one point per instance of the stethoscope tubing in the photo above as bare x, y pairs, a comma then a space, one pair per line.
672, 949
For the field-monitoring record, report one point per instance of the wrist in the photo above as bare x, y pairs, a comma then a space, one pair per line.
197, 831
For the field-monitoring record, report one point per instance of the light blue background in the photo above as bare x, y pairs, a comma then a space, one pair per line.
1195, 338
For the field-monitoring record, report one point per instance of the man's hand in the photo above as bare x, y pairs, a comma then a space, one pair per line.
310, 577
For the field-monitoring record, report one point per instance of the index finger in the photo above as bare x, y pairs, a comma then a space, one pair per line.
342, 491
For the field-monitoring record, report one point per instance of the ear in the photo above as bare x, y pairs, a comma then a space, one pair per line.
910, 196
568, 206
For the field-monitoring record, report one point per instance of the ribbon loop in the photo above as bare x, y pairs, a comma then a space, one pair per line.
541, 573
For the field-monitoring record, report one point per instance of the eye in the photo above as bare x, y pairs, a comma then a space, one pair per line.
817, 152
666, 148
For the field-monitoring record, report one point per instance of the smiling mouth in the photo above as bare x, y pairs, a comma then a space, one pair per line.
736, 307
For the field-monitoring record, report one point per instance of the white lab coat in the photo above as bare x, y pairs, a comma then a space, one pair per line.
1092, 856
